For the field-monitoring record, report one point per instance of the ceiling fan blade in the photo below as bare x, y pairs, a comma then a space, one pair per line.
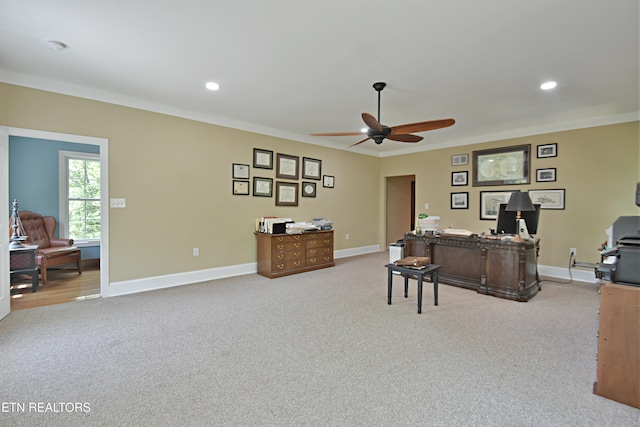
371, 122
337, 134
360, 142
422, 126
405, 138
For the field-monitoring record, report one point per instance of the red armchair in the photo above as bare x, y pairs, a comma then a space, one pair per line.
52, 252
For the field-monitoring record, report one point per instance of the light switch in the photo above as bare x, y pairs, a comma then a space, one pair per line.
117, 203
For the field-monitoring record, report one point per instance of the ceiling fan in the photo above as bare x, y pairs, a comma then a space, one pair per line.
402, 133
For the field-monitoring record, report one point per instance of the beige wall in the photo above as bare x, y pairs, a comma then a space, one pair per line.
598, 167
175, 175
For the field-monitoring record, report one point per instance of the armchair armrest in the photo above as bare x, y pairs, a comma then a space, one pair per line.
61, 242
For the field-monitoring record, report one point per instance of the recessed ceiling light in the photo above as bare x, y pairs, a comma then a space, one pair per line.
212, 86
548, 85
55, 45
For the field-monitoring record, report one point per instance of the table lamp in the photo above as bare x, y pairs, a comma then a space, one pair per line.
519, 202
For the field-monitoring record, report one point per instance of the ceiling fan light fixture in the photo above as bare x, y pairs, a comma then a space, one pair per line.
548, 85
212, 86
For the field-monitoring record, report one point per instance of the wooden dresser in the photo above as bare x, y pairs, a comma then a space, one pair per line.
285, 254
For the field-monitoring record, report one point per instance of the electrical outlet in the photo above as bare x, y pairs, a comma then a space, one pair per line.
196, 251
347, 236
572, 251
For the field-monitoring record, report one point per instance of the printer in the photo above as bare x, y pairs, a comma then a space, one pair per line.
624, 244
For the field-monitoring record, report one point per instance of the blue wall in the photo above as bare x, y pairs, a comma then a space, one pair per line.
33, 176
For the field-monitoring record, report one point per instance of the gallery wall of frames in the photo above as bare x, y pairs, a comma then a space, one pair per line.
285, 176
500, 169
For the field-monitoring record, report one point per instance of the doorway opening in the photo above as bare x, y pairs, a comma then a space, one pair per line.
400, 206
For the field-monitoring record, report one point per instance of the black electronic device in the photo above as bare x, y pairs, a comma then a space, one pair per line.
506, 222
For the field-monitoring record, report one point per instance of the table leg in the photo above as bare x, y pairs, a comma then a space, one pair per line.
419, 293
389, 282
434, 278
34, 281
406, 284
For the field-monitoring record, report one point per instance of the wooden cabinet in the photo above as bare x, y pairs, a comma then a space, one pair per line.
285, 254
619, 344
490, 266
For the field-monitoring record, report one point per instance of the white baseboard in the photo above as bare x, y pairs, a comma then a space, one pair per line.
581, 275
161, 282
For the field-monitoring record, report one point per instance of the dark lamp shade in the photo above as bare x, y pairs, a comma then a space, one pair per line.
520, 201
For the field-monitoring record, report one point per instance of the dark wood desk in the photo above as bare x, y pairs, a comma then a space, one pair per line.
430, 270
495, 267
22, 261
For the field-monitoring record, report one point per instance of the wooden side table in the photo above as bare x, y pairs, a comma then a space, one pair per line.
22, 261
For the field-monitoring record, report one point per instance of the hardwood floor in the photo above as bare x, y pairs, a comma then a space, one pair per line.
63, 286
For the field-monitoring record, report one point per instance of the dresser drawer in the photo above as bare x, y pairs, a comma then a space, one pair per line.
318, 260
286, 246
287, 256
318, 252
319, 242
287, 238
283, 266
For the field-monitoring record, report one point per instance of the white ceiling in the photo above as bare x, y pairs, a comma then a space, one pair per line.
289, 68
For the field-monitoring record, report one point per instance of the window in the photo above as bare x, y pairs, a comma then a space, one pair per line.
80, 197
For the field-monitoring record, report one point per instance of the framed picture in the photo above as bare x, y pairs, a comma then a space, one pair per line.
240, 171
240, 188
262, 159
262, 187
548, 199
308, 189
311, 168
460, 200
328, 181
286, 193
490, 203
501, 166
546, 175
460, 159
547, 150
460, 178
287, 166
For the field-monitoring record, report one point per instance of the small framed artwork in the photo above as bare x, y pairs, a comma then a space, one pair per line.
311, 168
308, 189
328, 181
547, 150
262, 159
501, 166
262, 187
287, 166
286, 193
460, 178
460, 200
490, 203
460, 159
548, 199
240, 171
240, 188
546, 175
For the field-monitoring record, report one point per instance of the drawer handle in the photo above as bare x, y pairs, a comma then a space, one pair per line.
297, 263
313, 243
313, 260
280, 246
280, 256
296, 245
312, 251
280, 266
280, 239
327, 241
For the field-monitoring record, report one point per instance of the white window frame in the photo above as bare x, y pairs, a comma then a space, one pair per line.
63, 203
